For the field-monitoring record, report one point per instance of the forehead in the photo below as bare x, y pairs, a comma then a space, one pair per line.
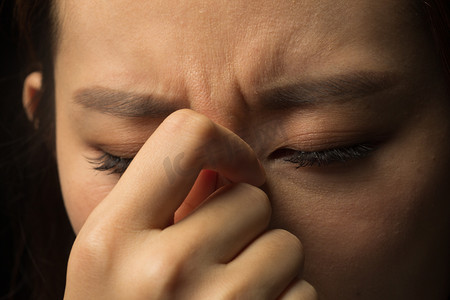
249, 37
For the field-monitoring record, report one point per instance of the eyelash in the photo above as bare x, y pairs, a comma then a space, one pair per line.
329, 156
111, 163
118, 165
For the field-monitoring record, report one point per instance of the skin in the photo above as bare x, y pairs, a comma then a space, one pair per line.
371, 228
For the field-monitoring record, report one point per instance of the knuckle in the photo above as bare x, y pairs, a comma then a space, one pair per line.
91, 250
200, 127
165, 270
202, 130
178, 119
200, 136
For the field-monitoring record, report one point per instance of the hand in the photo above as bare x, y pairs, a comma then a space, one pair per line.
129, 247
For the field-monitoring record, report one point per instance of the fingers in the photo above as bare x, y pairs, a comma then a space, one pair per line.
268, 265
225, 224
163, 172
217, 247
224, 234
299, 289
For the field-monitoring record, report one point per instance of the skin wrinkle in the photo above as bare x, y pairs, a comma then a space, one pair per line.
356, 221
344, 87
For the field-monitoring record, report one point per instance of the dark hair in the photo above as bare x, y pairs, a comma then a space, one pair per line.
38, 225
36, 232
437, 17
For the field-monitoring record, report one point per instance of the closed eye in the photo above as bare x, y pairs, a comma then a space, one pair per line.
324, 157
113, 164
118, 165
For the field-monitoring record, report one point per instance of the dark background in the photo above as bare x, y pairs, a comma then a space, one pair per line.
10, 111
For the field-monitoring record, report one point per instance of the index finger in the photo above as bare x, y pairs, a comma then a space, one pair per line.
163, 172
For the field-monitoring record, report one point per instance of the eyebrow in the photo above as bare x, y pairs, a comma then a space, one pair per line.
124, 104
343, 87
340, 88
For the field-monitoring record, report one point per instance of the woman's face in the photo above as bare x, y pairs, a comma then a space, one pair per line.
355, 76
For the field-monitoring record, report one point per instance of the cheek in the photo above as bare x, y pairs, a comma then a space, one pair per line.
82, 192
82, 186
370, 230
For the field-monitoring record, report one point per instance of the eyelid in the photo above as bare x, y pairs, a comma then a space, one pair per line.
325, 157
108, 162
325, 140
125, 150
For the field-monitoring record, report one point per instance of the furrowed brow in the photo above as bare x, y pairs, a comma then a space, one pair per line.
339, 88
123, 104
